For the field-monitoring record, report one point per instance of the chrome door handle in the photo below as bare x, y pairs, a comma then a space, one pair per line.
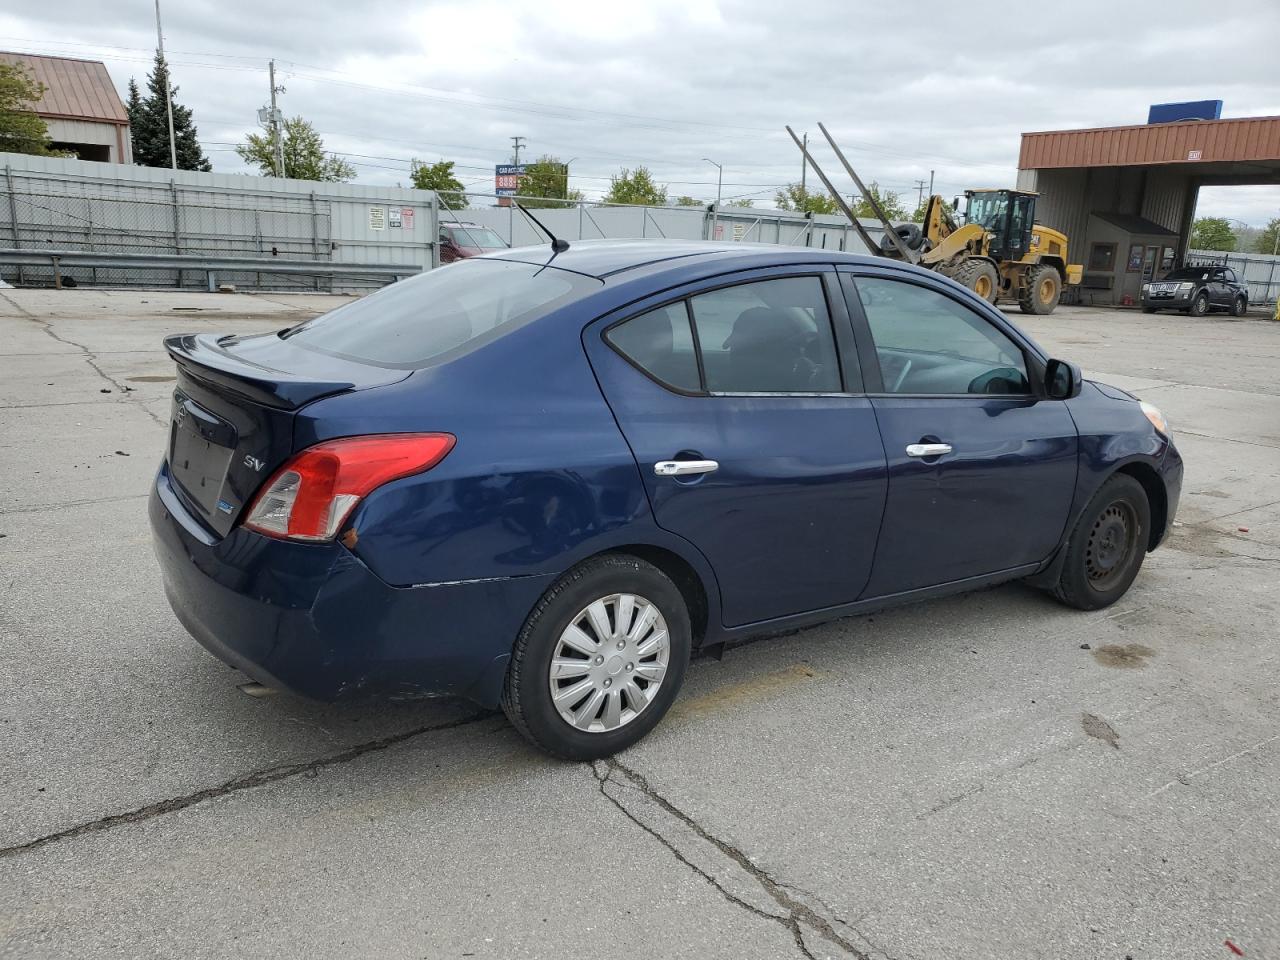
927, 449
684, 468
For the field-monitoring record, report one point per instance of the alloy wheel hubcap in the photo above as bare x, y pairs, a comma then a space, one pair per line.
609, 663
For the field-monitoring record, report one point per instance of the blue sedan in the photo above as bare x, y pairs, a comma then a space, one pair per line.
544, 479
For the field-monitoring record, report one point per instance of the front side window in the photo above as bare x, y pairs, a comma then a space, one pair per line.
414, 321
770, 336
928, 343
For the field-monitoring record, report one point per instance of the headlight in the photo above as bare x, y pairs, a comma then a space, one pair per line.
1185, 286
1146, 287
1153, 414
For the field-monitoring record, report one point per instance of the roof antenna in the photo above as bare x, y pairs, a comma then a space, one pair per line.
557, 245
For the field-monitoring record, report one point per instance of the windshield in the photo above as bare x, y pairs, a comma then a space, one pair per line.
417, 320
1189, 273
481, 237
988, 209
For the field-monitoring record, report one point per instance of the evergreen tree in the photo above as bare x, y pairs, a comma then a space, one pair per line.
149, 122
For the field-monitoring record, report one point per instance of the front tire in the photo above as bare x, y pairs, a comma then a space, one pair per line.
1200, 305
1239, 306
979, 276
600, 659
1040, 294
1107, 546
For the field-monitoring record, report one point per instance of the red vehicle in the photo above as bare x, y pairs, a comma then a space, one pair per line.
461, 240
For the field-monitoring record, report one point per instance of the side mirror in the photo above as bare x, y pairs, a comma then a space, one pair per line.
955, 203
1062, 380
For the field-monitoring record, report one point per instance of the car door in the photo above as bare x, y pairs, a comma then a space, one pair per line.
981, 466
742, 403
1219, 293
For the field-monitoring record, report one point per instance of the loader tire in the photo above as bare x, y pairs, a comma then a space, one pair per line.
980, 277
1039, 295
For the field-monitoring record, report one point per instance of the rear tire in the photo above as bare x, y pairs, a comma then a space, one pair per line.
1039, 295
979, 276
1200, 305
548, 656
1107, 546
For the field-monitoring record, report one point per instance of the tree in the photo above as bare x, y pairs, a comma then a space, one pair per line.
439, 177
1212, 233
918, 215
546, 184
149, 124
1269, 239
637, 187
688, 202
21, 130
741, 203
795, 197
890, 204
304, 156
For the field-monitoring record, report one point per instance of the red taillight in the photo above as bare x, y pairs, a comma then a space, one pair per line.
315, 491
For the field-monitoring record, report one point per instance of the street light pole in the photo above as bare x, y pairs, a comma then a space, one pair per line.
168, 93
715, 217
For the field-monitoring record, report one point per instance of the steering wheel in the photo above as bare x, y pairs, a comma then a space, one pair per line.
897, 381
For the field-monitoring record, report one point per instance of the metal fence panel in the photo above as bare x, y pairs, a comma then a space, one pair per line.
1259, 271
52, 203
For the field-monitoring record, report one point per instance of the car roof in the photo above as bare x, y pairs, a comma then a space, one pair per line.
605, 258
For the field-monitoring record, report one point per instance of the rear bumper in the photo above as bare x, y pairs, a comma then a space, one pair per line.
313, 619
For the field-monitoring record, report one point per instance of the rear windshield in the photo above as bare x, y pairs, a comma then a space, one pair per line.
415, 321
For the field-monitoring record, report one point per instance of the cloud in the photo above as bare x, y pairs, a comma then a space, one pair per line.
909, 90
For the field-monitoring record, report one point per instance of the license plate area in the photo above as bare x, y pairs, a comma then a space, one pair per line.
201, 445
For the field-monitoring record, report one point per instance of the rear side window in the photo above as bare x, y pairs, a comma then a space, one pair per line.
771, 336
414, 321
660, 344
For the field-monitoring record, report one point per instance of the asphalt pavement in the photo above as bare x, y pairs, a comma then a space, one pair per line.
991, 775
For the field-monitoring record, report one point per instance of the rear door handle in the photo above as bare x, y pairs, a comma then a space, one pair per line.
684, 468
927, 449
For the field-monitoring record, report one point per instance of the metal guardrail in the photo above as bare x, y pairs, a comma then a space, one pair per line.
211, 266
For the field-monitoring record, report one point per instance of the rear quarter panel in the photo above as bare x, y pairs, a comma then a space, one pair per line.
540, 477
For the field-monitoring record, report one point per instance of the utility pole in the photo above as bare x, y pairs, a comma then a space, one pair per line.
515, 156
931, 183
168, 93
715, 217
920, 194
804, 164
276, 125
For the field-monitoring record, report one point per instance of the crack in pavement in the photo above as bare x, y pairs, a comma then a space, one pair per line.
90, 357
246, 781
796, 915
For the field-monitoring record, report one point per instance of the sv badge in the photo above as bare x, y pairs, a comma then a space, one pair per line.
253, 463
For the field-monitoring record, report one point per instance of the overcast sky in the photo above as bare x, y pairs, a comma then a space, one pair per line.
906, 88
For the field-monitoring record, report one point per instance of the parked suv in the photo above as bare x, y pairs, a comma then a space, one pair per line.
461, 240
1197, 290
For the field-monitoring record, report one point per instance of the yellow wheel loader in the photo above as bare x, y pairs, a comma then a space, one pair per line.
1000, 251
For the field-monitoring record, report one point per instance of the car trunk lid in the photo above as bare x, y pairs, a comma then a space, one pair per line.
232, 417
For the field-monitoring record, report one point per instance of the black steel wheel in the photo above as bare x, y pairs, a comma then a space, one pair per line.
1107, 546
